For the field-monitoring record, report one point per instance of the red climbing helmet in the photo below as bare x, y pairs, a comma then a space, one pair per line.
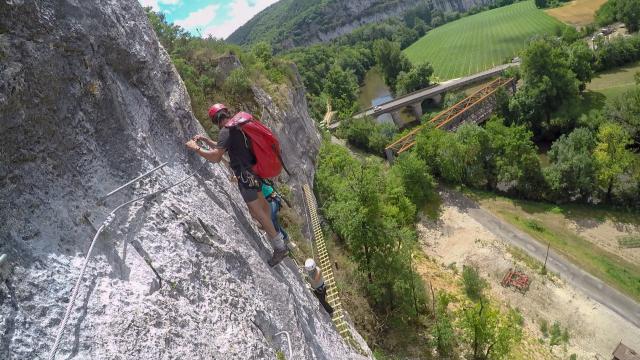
213, 110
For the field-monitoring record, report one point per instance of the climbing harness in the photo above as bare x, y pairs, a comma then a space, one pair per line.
107, 221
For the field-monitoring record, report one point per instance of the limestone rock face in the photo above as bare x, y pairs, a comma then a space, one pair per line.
89, 100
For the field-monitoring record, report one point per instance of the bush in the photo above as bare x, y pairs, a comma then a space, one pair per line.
474, 285
556, 334
366, 134
544, 327
617, 52
534, 225
237, 83
414, 174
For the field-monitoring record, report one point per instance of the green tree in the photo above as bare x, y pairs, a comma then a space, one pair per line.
391, 60
541, 3
371, 213
627, 11
263, 52
416, 79
416, 179
170, 36
580, 60
572, 172
475, 155
341, 86
444, 336
474, 284
625, 111
515, 160
405, 36
368, 135
489, 334
613, 159
549, 82
441, 152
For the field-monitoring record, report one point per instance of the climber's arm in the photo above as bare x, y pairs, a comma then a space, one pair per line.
213, 155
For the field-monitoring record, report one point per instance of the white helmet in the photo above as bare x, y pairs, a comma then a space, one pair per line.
309, 264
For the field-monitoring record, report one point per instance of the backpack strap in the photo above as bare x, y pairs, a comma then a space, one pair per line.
283, 165
239, 119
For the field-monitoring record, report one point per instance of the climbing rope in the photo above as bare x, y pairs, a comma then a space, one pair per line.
110, 217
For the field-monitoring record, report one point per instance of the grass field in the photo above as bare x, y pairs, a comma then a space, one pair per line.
481, 41
548, 224
578, 12
613, 83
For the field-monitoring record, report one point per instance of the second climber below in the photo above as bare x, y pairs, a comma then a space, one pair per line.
316, 281
232, 140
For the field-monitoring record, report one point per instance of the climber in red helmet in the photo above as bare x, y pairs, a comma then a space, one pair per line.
242, 160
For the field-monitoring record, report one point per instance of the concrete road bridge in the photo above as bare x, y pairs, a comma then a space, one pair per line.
434, 93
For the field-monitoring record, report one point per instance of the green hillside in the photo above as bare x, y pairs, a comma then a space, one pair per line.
290, 23
480, 41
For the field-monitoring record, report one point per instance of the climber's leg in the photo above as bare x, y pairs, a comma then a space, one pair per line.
260, 210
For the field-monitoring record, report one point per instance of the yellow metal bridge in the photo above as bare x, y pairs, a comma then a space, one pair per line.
475, 108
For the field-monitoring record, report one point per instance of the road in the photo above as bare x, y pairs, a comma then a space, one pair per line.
593, 287
429, 92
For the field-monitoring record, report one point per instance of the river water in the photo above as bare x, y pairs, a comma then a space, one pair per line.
375, 92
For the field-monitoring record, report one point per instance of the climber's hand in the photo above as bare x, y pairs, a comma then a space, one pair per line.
192, 145
199, 138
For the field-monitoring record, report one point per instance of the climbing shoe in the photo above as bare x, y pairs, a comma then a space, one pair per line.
278, 255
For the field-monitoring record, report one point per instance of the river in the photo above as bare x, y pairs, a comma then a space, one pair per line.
375, 92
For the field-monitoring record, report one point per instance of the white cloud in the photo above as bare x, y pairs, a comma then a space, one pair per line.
199, 18
170, 2
151, 3
240, 12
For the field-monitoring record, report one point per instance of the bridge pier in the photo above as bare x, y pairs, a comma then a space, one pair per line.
417, 109
390, 155
395, 115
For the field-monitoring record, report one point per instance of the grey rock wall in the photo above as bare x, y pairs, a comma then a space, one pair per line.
88, 100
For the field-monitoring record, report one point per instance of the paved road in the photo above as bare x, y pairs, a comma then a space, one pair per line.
420, 95
580, 279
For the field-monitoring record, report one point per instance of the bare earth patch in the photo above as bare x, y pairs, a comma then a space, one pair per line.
578, 12
594, 329
606, 235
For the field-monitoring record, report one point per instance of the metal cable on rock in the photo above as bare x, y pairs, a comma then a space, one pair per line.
110, 216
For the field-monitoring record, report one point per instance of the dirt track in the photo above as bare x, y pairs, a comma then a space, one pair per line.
598, 316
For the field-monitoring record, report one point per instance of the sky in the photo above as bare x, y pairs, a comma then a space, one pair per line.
218, 18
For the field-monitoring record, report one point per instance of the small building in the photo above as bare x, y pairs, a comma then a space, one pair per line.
622, 352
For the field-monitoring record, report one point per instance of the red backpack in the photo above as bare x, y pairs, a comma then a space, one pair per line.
264, 144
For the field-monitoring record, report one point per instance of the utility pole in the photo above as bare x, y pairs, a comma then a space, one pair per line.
544, 267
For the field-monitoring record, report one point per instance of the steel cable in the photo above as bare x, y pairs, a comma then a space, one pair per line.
106, 222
